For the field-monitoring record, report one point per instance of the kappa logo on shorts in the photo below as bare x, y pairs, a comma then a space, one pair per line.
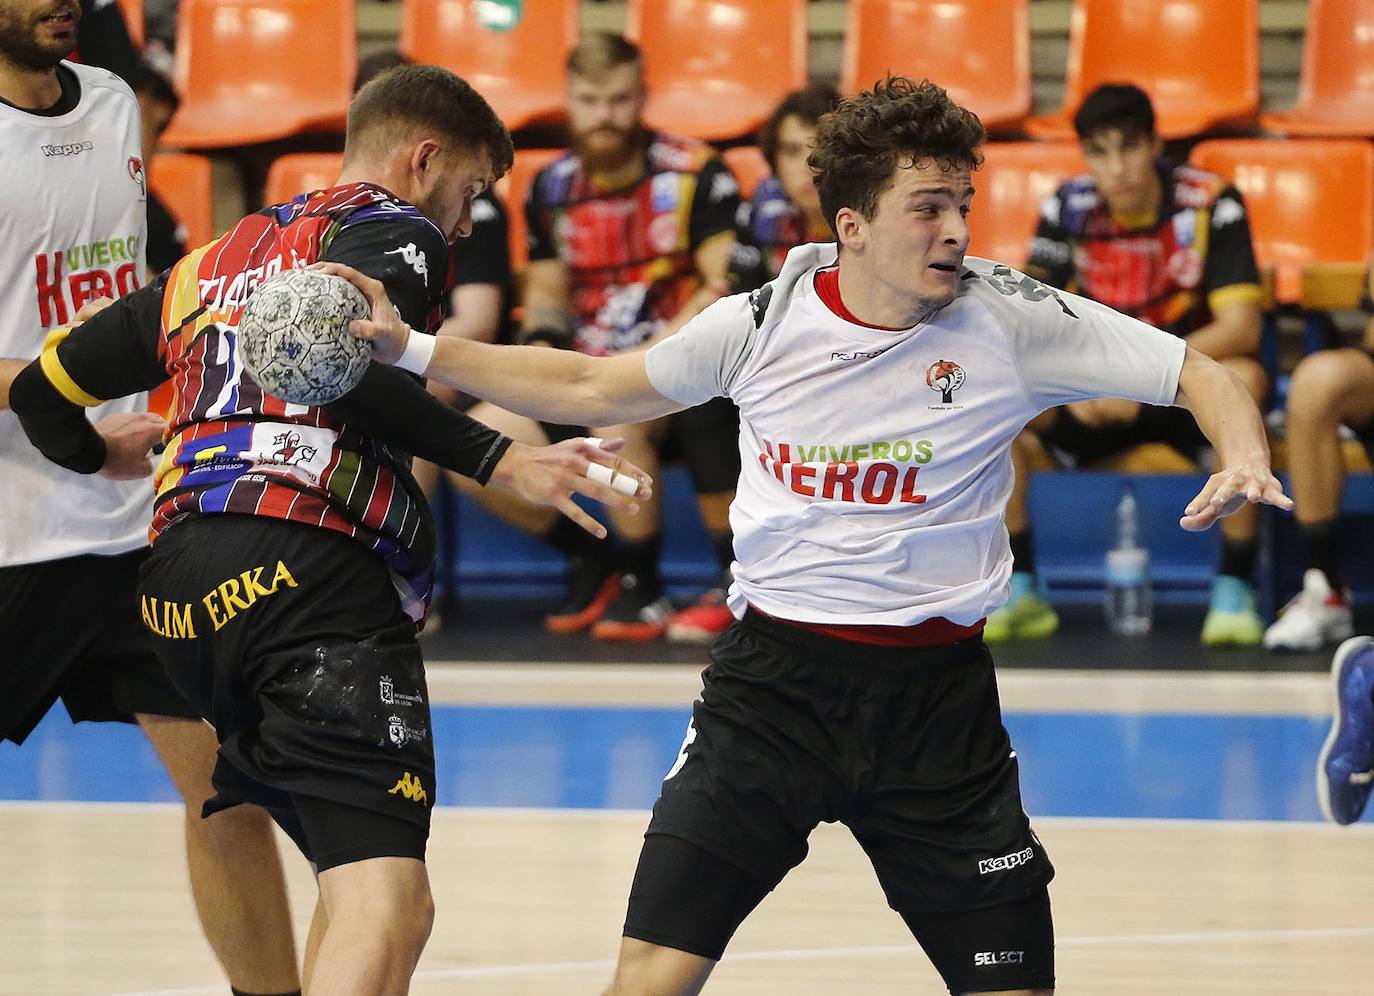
986, 959
409, 787
1006, 862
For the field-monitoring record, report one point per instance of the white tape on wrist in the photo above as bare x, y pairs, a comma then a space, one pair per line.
418, 352
623, 483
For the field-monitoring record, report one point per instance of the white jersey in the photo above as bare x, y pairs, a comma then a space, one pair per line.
73, 218
876, 464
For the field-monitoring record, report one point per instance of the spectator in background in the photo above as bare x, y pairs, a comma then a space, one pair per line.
1330, 389
785, 210
157, 102
630, 236
1169, 245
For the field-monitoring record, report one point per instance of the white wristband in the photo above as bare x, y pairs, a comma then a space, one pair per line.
623, 483
418, 352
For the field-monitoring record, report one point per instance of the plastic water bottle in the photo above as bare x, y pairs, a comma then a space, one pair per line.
1129, 600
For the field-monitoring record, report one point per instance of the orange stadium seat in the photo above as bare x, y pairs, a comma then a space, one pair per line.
1310, 201
133, 19
1015, 178
978, 50
512, 189
512, 53
257, 70
1197, 59
749, 167
298, 172
1336, 88
717, 68
186, 185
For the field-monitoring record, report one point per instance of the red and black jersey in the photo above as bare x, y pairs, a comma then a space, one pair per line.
631, 250
1174, 270
233, 448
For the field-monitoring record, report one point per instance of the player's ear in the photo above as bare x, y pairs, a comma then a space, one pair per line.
851, 228
424, 157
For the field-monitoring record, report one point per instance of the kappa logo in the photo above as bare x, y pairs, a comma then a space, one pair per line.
1006, 862
414, 258
409, 787
69, 149
945, 377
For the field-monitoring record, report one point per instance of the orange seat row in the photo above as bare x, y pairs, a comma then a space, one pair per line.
257, 70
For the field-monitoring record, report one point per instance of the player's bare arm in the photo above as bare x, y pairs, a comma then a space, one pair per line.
556, 385
1228, 417
547, 304
1233, 331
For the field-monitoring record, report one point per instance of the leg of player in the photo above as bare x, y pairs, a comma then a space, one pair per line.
235, 869
1232, 617
380, 912
1329, 388
646, 969
319, 923
640, 612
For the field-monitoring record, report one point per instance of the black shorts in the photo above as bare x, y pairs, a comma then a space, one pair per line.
291, 640
1077, 445
70, 630
706, 440
905, 747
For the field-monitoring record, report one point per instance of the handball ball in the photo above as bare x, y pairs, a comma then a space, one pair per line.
293, 337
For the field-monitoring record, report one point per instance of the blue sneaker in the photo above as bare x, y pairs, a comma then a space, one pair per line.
1345, 768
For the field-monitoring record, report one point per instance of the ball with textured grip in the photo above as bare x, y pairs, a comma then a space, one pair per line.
293, 336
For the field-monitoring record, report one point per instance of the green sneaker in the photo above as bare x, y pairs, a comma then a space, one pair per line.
1027, 615
1232, 620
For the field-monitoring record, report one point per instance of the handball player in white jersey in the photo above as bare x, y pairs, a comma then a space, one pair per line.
73, 223
880, 381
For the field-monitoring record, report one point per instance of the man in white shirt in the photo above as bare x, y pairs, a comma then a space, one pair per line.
880, 384
73, 228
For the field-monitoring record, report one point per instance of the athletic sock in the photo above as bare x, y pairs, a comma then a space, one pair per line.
1023, 552
571, 540
1321, 551
1238, 559
640, 558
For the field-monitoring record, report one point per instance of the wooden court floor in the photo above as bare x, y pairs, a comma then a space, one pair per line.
93, 901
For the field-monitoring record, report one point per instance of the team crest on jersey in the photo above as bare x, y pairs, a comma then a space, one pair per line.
945, 377
136, 173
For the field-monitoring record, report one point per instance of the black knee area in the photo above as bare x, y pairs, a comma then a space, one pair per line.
988, 950
687, 898
337, 834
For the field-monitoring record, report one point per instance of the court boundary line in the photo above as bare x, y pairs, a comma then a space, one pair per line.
1261, 935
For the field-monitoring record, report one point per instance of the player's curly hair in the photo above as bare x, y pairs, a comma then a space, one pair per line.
898, 123
428, 97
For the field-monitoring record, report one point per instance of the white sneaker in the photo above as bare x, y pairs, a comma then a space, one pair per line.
1317, 616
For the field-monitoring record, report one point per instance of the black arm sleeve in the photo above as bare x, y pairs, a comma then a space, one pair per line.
410, 258
714, 204
113, 355
1230, 251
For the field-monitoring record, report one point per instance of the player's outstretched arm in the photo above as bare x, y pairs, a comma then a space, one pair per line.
1228, 417
556, 385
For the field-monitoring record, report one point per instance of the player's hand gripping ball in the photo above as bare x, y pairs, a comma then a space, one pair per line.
293, 337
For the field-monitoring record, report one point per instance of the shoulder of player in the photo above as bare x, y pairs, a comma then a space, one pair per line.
676, 154
997, 287
552, 183
95, 79
1074, 200
364, 203
1196, 188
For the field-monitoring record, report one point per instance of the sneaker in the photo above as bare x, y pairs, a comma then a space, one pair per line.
636, 616
1026, 616
1345, 767
1316, 617
591, 590
1232, 619
702, 622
